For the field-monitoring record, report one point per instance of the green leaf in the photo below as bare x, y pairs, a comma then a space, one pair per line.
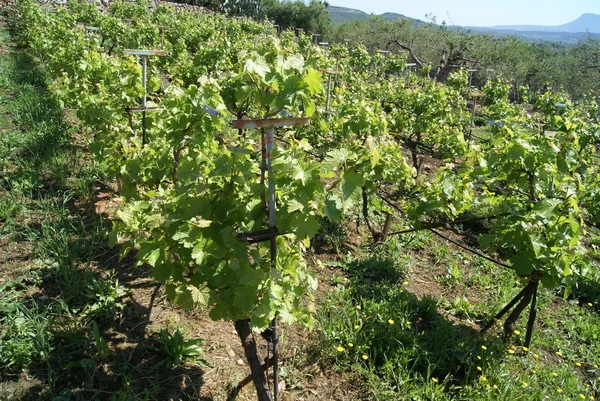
286, 315
299, 174
295, 61
294, 205
198, 253
258, 66
537, 244
250, 277
522, 262
335, 159
312, 79
245, 297
183, 297
307, 228
333, 209
180, 235
200, 295
545, 208
153, 256
350, 182
162, 272
549, 281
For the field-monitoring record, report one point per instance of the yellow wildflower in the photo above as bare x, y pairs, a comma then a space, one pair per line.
365, 357
340, 348
517, 333
483, 347
483, 378
434, 379
390, 321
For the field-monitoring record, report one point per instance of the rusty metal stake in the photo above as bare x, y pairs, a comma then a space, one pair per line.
474, 96
87, 29
161, 29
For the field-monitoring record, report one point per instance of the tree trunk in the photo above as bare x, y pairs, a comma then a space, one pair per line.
509, 325
258, 375
365, 210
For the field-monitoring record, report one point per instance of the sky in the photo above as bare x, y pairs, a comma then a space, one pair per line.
482, 12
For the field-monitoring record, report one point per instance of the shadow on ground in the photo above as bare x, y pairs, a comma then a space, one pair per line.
88, 338
375, 325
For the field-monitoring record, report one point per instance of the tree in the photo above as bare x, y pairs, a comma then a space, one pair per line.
312, 18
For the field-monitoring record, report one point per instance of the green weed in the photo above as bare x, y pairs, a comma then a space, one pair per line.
175, 349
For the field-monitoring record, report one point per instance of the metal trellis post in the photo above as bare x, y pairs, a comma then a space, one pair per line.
329, 74
144, 56
471, 71
269, 126
410, 67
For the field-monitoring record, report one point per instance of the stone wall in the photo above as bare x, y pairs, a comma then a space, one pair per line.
105, 3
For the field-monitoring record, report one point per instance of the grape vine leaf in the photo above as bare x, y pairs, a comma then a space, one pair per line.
350, 182
522, 262
312, 79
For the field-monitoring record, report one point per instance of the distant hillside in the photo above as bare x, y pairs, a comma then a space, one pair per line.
568, 34
567, 38
587, 22
343, 14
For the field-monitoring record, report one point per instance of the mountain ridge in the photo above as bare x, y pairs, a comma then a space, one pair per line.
569, 33
342, 14
587, 22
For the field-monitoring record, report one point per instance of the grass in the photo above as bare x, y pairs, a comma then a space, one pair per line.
402, 347
60, 293
62, 315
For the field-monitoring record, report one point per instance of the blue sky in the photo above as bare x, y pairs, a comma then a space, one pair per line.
482, 12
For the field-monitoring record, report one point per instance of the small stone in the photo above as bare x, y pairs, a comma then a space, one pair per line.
240, 362
231, 353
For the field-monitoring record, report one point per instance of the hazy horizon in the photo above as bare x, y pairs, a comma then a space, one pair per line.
478, 13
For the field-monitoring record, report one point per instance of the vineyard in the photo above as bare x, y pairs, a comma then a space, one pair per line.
360, 229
